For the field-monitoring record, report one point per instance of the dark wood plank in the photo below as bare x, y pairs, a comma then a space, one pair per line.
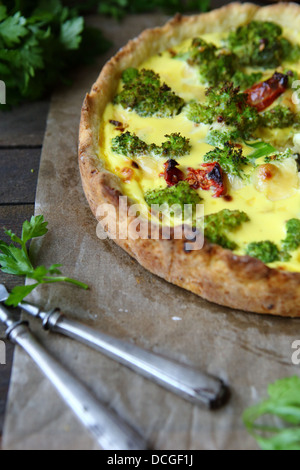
25, 125
18, 176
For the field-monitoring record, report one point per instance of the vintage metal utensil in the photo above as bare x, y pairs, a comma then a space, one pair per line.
187, 382
108, 429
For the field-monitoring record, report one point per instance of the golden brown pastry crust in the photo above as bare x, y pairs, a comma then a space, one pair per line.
214, 273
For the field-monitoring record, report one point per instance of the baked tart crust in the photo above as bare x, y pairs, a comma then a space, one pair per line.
214, 273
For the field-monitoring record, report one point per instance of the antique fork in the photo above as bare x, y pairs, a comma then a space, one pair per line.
109, 430
189, 383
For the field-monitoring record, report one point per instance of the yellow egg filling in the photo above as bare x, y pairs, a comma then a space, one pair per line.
270, 198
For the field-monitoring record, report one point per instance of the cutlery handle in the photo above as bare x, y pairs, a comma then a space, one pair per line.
110, 432
185, 381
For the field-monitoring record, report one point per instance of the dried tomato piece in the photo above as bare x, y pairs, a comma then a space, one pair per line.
197, 179
211, 176
172, 174
263, 94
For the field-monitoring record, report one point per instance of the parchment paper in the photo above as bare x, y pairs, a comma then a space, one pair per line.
248, 351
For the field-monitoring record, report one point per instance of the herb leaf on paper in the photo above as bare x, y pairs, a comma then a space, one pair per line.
15, 260
275, 422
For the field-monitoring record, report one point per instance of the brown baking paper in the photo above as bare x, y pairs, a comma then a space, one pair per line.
248, 351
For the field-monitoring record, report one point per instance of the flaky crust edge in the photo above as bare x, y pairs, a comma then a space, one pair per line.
215, 274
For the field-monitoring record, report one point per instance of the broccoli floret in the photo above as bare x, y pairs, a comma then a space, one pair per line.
279, 117
260, 43
199, 113
218, 138
130, 75
279, 156
244, 80
181, 194
228, 105
217, 65
292, 240
214, 65
267, 252
144, 93
130, 145
230, 159
175, 146
217, 226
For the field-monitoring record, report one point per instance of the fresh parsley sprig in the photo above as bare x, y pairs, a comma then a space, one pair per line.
15, 260
39, 42
283, 403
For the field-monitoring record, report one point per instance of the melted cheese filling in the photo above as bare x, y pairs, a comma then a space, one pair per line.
268, 205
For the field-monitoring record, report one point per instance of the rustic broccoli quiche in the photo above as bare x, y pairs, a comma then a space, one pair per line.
205, 110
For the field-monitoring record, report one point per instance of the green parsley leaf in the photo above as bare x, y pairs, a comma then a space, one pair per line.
70, 34
13, 29
39, 42
284, 404
15, 260
3, 12
54, 269
37, 227
19, 293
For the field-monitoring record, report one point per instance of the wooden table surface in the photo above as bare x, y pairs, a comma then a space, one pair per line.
21, 139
